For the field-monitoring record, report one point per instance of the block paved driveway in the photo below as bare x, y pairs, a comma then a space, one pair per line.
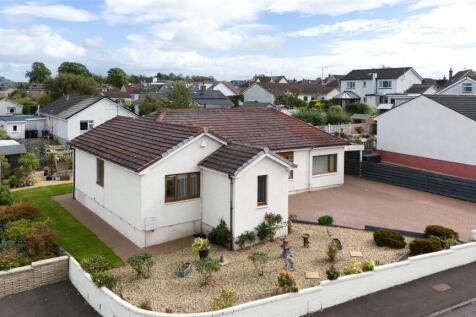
361, 202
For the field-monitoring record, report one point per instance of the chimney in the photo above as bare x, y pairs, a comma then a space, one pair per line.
203, 88
450, 76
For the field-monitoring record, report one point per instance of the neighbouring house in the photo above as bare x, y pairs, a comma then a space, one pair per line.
256, 104
270, 79
268, 92
431, 132
376, 86
12, 150
179, 172
35, 90
10, 107
122, 97
396, 99
23, 126
6, 90
211, 99
70, 116
131, 88
226, 88
332, 81
346, 98
462, 83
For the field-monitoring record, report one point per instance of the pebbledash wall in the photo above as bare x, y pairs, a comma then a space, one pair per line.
31, 276
327, 294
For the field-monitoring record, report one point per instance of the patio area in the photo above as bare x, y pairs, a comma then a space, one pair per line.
361, 202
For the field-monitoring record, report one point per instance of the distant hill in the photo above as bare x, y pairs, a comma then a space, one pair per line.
4, 81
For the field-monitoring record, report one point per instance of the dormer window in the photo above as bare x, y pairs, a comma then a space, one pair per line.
351, 85
467, 88
385, 84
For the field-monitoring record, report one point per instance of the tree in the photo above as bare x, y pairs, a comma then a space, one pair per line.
68, 84
357, 107
73, 68
38, 73
179, 96
336, 115
149, 105
136, 79
116, 77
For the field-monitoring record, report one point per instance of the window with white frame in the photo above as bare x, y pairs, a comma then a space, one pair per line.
385, 84
351, 85
85, 125
467, 88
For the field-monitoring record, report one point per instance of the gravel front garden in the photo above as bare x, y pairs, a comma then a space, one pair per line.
166, 292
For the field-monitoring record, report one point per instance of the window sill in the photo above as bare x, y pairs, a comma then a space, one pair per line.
181, 201
325, 174
262, 206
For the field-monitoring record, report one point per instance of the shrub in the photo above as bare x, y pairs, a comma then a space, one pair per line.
13, 181
286, 281
446, 243
227, 298
357, 107
141, 263
95, 263
259, 260
220, 235
246, 237
104, 279
200, 244
332, 251
18, 211
389, 238
267, 229
336, 115
206, 267
145, 304
6, 197
41, 242
368, 265
10, 259
426, 245
325, 220
352, 269
332, 273
441, 232
312, 116
291, 220
18, 230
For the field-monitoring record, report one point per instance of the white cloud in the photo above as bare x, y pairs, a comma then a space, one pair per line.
94, 41
347, 27
56, 12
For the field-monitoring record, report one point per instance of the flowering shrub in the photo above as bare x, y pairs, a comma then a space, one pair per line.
227, 298
286, 281
368, 265
352, 269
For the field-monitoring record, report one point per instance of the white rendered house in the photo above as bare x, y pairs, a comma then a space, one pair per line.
10, 107
71, 116
155, 180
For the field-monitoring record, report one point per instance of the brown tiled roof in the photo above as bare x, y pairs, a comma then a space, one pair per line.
230, 159
133, 143
253, 126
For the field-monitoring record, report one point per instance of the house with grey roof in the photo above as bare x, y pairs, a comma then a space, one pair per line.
71, 116
23, 126
431, 132
211, 99
461, 83
378, 86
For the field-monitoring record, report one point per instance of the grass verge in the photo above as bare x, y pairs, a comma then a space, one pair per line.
72, 236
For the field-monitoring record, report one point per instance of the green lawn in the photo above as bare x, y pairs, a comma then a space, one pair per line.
72, 236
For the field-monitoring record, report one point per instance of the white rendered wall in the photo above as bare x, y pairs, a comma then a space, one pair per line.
330, 179
8, 127
457, 89
100, 112
184, 215
58, 128
224, 89
6, 103
247, 214
422, 127
118, 202
215, 199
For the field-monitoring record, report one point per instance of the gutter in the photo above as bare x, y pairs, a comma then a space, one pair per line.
232, 187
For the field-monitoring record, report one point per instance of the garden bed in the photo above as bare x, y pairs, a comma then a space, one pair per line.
167, 292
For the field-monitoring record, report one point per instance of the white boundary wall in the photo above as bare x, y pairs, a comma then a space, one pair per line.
327, 294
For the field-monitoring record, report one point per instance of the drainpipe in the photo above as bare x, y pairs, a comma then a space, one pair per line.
232, 185
74, 174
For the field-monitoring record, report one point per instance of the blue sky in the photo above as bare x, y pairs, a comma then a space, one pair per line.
233, 39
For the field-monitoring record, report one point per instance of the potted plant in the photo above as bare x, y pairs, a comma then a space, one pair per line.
201, 246
184, 269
